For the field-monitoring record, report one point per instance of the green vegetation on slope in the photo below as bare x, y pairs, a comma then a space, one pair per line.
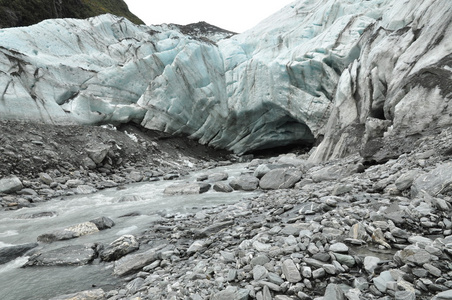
15, 13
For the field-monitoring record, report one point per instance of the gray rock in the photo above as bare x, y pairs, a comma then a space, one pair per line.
222, 187
259, 273
45, 178
69, 232
88, 163
85, 189
103, 223
130, 198
212, 229
405, 180
358, 232
214, 177
339, 248
98, 152
382, 280
330, 269
347, 260
56, 235
280, 179
435, 182
119, 248
97, 294
231, 293
432, 270
245, 183
259, 260
318, 273
10, 253
333, 292
76, 255
412, 255
370, 263
445, 295
275, 278
134, 262
187, 188
306, 272
195, 247
170, 176
405, 295
10, 184
135, 176
290, 271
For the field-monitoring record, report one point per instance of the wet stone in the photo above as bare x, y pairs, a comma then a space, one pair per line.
290, 271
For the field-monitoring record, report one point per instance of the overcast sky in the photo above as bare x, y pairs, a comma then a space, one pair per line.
233, 15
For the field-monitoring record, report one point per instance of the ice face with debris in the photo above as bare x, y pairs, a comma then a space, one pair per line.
325, 68
271, 86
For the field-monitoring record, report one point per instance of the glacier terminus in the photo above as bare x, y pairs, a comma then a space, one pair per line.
315, 70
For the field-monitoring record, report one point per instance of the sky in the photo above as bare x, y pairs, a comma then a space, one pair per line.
233, 15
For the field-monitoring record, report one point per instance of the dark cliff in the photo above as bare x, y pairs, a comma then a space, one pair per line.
14, 13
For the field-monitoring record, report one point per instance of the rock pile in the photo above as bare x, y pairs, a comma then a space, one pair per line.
344, 231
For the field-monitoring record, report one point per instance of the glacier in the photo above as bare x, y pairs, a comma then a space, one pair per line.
346, 73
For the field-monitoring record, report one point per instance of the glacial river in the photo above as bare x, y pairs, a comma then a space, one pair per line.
45, 282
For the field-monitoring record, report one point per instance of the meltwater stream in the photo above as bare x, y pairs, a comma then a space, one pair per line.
45, 282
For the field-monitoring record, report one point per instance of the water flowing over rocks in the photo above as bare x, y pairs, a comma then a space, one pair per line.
374, 240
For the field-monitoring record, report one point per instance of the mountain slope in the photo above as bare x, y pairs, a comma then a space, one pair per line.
24, 13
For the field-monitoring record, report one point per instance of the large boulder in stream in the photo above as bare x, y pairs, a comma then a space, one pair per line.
187, 188
69, 232
245, 183
10, 253
103, 223
119, 248
74, 255
280, 179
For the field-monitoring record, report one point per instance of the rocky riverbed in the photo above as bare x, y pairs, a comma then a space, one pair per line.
344, 229
41, 161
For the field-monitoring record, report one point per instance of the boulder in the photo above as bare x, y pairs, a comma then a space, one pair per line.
69, 232
333, 292
133, 262
245, 183
290, 271
222, 187
220, 176
435, 182
103, 223
405, 180
187, 188
45, 178
74, 255
12, 252
10, 184
119, 248
130, 198
280, 179
97, 152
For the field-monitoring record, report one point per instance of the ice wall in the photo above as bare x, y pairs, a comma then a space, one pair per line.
351, 71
